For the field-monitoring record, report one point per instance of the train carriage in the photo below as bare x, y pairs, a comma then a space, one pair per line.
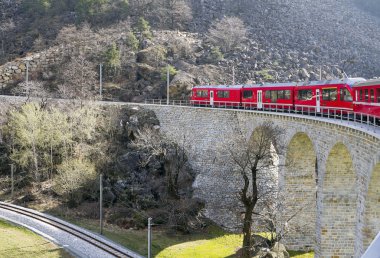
331, 97
367, 98
268, 96
216, 96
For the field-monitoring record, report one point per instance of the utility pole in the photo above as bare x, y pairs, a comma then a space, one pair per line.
12, 179
167, 85
101, 203
149, 237
233, 75
320, 72
27, 72
100, 80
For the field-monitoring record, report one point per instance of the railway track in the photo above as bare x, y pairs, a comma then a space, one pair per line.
94, 240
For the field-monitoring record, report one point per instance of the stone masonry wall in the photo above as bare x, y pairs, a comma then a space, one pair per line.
41, 60
206, 130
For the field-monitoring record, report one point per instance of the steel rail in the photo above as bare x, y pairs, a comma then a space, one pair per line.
69, 229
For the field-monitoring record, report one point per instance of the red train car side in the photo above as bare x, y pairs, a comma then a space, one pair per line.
367, 98
268, 96
325, 96
216, 96
318, 97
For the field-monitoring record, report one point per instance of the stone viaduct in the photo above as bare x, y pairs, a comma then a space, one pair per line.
335, 168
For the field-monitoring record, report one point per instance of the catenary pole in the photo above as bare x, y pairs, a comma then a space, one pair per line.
167, 85
101, 203
27, 72
12, 179
233, 75
100, 80
149, 237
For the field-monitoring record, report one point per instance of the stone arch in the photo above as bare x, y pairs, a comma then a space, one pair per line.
300, 186
339, 200
372, 208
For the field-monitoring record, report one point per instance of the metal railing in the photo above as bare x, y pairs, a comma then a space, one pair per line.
325, 112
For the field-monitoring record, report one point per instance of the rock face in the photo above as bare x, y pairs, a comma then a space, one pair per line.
321, 32
288, 40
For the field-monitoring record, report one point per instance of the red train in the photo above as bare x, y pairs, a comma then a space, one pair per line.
339, 97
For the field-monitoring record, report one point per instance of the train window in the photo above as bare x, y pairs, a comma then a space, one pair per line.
372, 95
305, 95
274, 96
361, 95
345, 95
202, 93
366, 95
329, 94
223, 94
287, 94
281, 94
378, 95
268, 94
247, 94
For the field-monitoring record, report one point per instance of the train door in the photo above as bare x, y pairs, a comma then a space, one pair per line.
211, 98
318, 98
260, 99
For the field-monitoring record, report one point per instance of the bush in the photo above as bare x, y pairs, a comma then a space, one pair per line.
132, 41
216, 55
172, 72
74, 177
144, 28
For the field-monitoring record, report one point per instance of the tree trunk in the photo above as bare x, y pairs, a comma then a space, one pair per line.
247, 232
35, 159
249, 204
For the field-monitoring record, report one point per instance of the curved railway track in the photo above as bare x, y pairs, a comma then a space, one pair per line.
84, 235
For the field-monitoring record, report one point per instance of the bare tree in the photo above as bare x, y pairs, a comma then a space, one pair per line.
227, 33
31, 89
141, 8
255, 161
173, 13
79, 79
78, 40
4, 28
280, 221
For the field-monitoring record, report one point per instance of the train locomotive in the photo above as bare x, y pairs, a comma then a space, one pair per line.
341, 97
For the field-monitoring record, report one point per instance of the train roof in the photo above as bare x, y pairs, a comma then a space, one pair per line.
348, 81
367, 83
218, 86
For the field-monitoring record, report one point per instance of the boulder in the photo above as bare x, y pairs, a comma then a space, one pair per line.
183, 79
304, 74
22, 67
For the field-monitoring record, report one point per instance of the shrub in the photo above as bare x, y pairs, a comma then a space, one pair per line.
132, 41
73, 178
164, 71
144, 28
216, 55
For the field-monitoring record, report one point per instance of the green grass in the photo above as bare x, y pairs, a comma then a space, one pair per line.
224, 246
17, 241
212, 243
301, 254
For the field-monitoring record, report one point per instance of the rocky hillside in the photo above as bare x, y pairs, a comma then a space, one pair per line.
314, 32
287, 40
